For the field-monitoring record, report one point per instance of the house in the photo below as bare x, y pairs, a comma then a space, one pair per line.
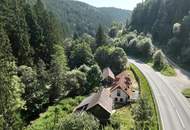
121, 89
108, 76
98, 104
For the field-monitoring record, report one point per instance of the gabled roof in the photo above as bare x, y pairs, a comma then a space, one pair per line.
122, 82
108, 73
101, 98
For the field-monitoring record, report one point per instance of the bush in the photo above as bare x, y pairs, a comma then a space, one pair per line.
146, 48
77, 121
186, 92
159, 60
50, 119
81, 54
94, 78
75, 82
113, 57
142, 113
168, 70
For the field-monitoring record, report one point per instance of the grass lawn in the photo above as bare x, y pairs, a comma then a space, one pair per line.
146, 91
186, 92
124, 116
168, 71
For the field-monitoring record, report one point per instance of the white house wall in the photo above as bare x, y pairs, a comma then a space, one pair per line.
123, 95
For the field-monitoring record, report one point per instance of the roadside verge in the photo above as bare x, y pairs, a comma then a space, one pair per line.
145, 89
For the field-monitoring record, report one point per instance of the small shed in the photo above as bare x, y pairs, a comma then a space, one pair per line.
108, 76
98, 104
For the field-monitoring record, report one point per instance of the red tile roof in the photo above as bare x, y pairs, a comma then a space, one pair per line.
122, 82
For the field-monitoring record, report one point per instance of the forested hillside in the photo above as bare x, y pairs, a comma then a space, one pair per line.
83, 18
169, 23
32, 62
38, 68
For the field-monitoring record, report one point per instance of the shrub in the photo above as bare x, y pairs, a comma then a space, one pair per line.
82, 121
159, 60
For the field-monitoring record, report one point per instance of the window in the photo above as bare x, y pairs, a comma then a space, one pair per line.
118, 93
116, 99
121, 99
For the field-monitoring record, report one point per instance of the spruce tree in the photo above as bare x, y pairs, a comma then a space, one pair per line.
10, 87
100, 37
19, 36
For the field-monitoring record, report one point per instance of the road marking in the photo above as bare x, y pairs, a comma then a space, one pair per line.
180, 119
171, 101
161, 118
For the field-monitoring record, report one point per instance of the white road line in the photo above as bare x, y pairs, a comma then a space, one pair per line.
161, 118
180, 119
171, 101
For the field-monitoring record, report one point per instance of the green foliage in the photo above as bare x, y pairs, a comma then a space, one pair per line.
82, 18
11, 90
168, 70
146, 47
19, 36
84, 68
11, 87
81, 54
82, 121
146, 91
113, 57
35, 94
57, 73
113, 32
142, 114
55, 114
173, 46
75, 82
186, 92
160, 18
159, 60
94, 77
119, 121
100, 37
50, 32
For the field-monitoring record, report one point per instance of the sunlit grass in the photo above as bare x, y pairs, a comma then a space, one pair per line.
124, 116
186, 92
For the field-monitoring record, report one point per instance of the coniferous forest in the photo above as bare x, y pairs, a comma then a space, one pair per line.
39, 67
168, 21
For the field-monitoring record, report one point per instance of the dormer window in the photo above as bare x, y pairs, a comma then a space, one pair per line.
118, 93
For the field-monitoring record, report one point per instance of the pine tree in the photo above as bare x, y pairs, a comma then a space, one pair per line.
50, 29
19, 36
10, 87
57, 73
100, 37
35, 31
142, 114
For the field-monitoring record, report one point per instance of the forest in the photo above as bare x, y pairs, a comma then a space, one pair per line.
49, 62
78, 17
169, 23
39, 67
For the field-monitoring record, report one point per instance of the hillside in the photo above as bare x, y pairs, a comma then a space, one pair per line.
169, 23
119, 15
80, 17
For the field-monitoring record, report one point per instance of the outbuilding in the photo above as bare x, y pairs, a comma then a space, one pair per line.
98, 104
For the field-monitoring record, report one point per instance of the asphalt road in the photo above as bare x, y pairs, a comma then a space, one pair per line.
173, 107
